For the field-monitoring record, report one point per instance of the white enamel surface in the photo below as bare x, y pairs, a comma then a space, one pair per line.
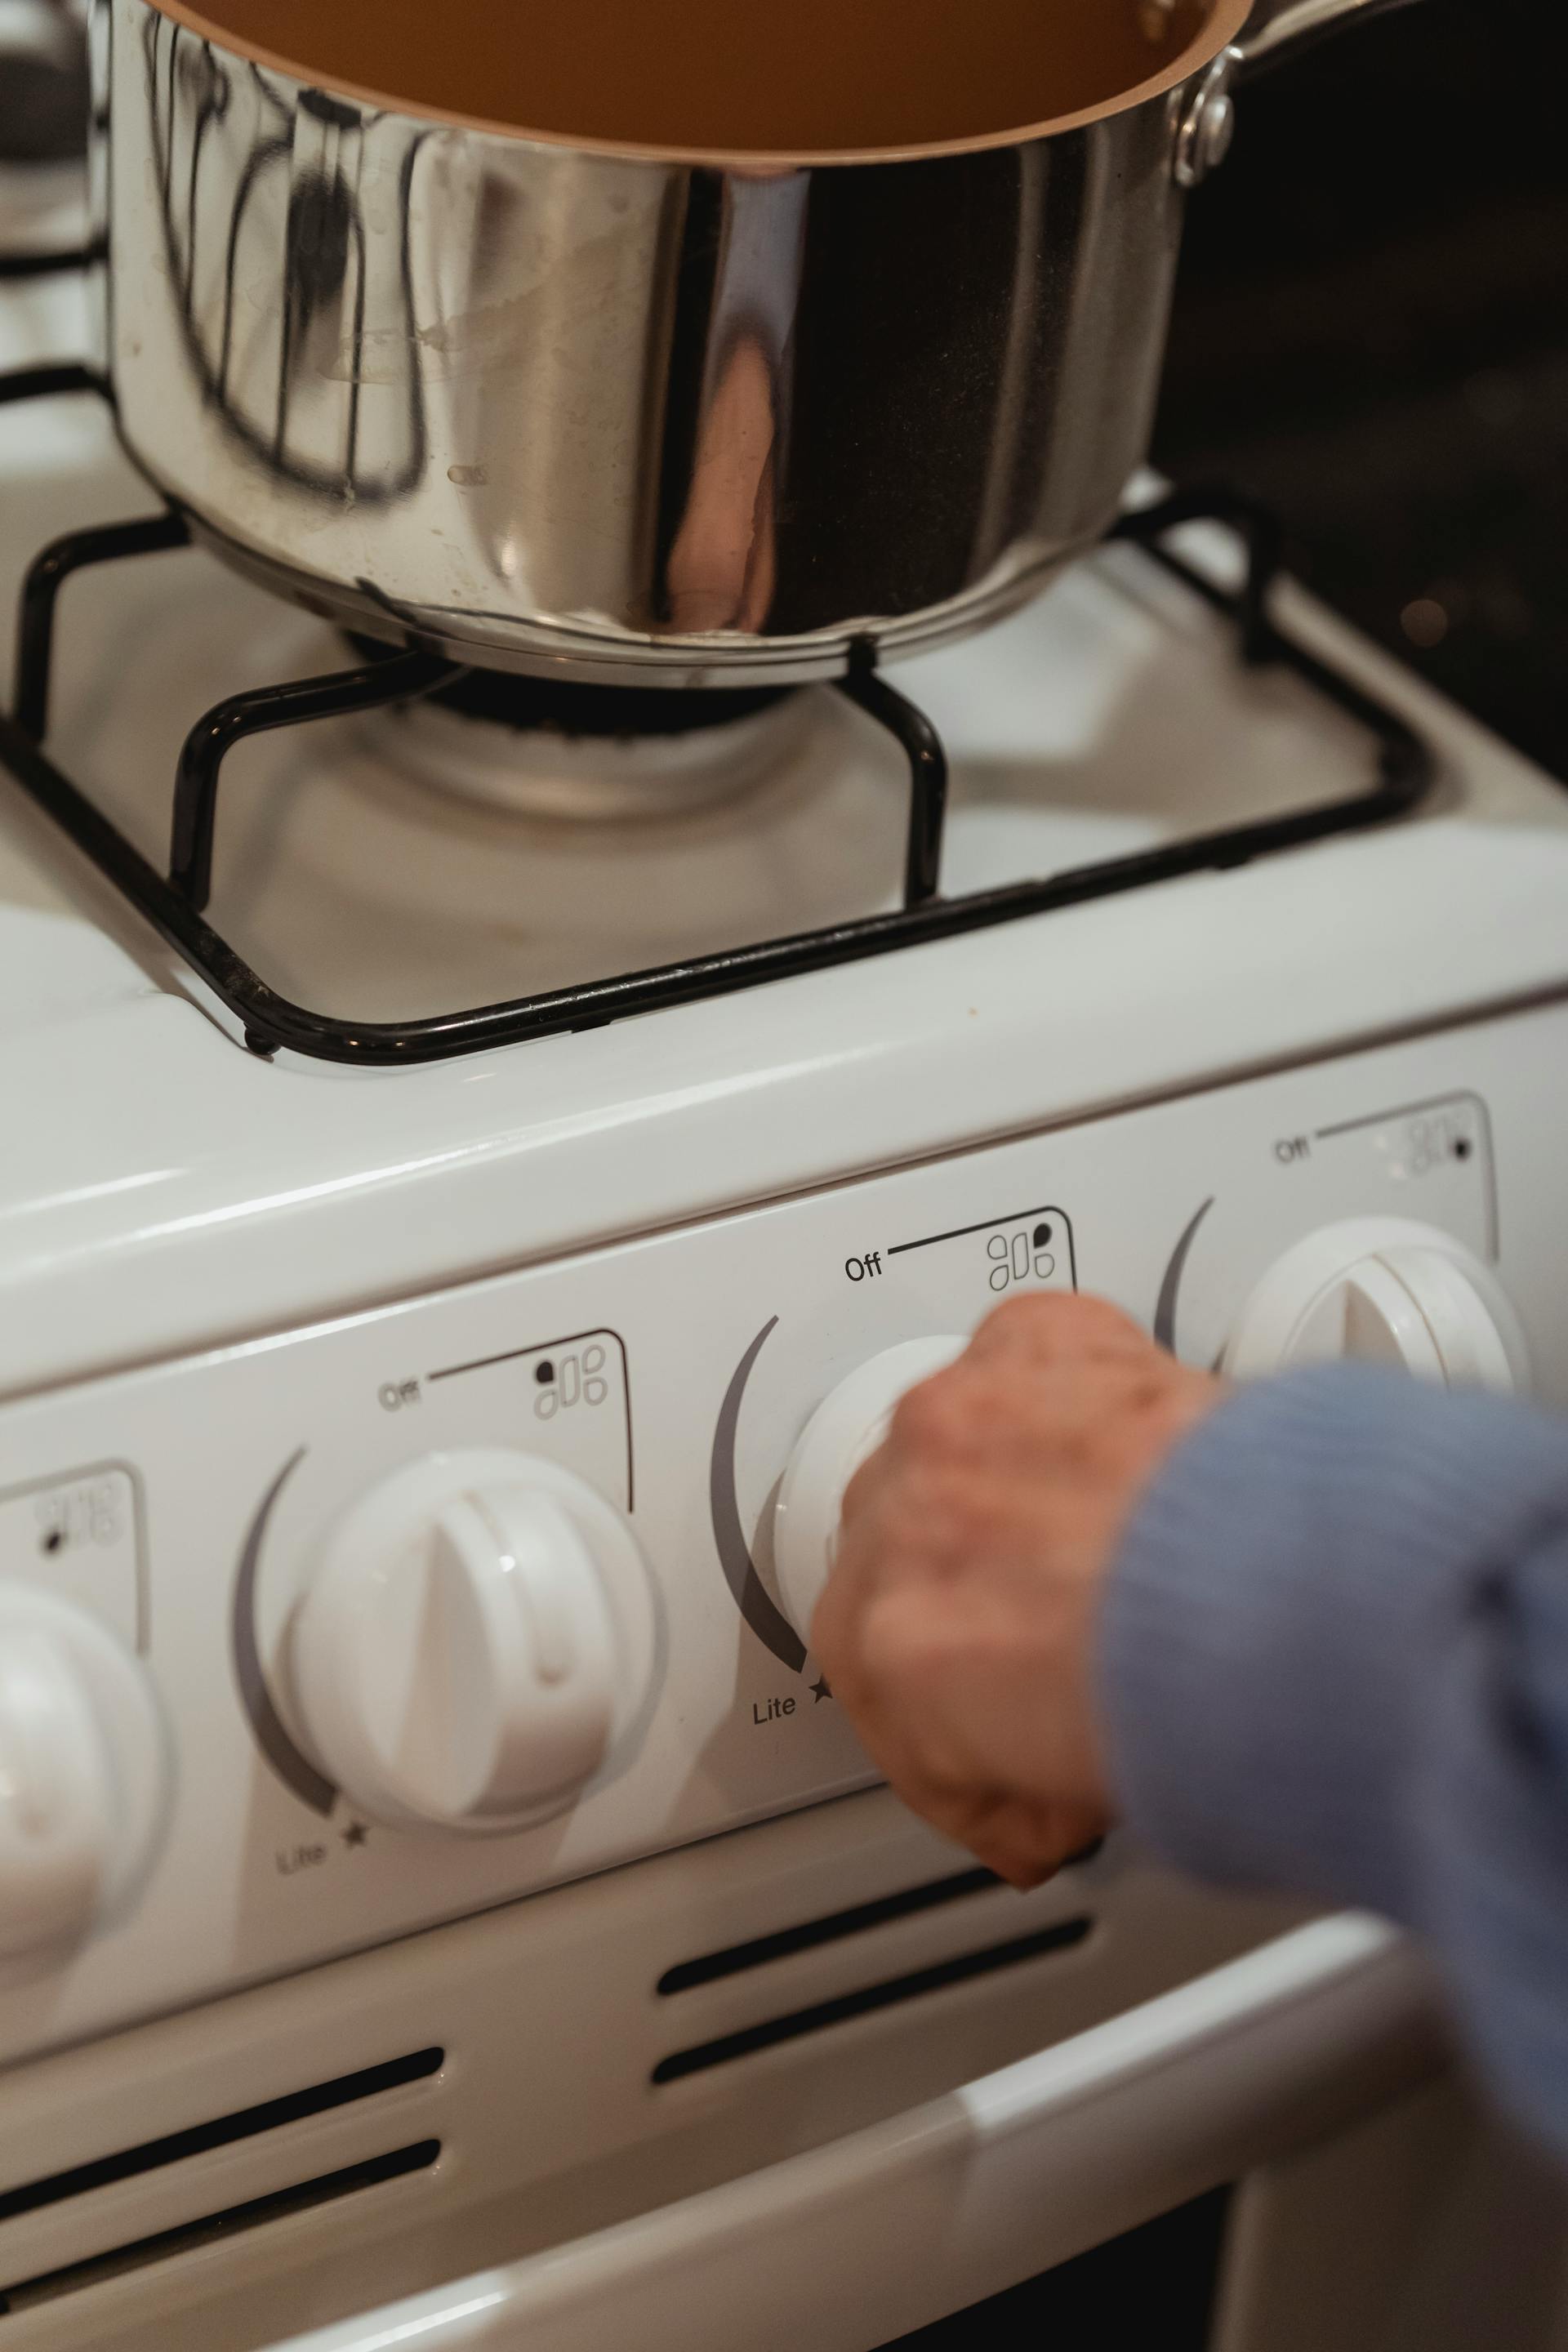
844, 1432
1383, 1291
83, 1778
479, 1634
237, 1301
180, 1192
953, 2202
715, 1344
80, 1539
552, 2018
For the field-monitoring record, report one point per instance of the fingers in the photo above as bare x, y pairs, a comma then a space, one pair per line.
967, 1684
1002, 1415
957, 1627
1027, 1843
1057, 1326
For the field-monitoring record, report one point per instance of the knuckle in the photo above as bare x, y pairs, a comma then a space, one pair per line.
900, 1649
962, 1515
1095, 1322
899, 1542
933, 1418
1025, 1317
1054, 1325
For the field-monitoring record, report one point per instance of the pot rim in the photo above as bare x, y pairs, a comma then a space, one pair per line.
1226, 18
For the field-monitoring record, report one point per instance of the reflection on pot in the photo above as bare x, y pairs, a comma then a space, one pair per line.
260, 183
621, 418
722, 569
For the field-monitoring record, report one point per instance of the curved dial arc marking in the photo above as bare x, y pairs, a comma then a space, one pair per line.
293, 1768
1170, 1289
755, 1603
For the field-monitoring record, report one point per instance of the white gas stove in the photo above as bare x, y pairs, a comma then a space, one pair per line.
345, 1954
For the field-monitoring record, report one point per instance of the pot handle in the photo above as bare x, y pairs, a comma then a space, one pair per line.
1276, 30
1279, 28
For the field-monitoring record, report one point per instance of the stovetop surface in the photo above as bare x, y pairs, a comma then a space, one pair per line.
362, 869
1111, 714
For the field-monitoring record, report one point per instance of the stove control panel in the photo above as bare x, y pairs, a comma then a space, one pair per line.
309, 1642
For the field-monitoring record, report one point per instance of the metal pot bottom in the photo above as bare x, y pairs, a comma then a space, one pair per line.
542, 650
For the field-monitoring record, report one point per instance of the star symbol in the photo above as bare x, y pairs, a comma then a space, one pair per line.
819, 1691
356, 1833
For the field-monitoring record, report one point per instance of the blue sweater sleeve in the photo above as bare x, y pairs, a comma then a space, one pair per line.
1333, 1658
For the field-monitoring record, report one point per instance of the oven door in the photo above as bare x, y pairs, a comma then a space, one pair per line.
888, 2230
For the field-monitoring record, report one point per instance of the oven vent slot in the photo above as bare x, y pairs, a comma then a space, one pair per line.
26, 2294
736, 1958
963, 1969
201, 2139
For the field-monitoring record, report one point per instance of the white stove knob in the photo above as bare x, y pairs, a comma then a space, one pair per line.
85, 1775
478, 1640
1380, 1290
845, 1431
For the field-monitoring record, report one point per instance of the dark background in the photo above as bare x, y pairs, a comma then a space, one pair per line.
1372, 335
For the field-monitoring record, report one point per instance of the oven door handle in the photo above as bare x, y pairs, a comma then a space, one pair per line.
896, 2225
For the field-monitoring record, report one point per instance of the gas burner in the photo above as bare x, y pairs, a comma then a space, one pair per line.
43, 83
173, 901
602, 755
546, 747
620, 714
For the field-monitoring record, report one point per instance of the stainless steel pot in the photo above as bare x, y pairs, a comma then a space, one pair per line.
639, 418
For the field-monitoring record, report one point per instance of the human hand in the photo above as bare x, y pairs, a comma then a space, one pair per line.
957, 1628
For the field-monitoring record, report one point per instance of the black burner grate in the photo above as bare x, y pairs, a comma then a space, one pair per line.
24, 261
175, 903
